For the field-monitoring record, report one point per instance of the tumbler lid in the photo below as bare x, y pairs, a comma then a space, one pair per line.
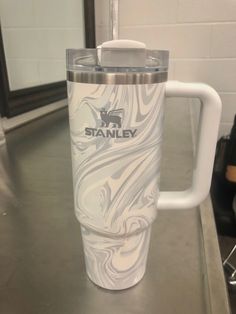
118, 62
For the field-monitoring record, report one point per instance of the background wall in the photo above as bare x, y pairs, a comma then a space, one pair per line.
35, 36
200, 34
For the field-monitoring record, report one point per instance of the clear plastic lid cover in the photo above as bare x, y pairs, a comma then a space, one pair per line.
118, 56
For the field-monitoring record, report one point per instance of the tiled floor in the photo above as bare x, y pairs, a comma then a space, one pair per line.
226, 244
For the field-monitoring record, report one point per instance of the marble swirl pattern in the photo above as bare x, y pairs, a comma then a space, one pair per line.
116, 179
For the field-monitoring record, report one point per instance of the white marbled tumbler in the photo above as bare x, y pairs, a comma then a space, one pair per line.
116, 133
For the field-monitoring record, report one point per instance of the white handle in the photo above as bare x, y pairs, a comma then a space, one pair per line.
208, 131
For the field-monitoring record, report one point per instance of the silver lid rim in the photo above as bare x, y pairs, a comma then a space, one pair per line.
118, 78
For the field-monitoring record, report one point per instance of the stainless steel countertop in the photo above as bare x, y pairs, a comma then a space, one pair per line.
41, 258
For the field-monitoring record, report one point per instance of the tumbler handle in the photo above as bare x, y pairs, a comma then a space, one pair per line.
207, 138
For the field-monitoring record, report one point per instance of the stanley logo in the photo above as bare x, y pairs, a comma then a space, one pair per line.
113, 119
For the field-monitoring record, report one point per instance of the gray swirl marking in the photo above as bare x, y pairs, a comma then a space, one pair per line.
116, 179
121, 262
